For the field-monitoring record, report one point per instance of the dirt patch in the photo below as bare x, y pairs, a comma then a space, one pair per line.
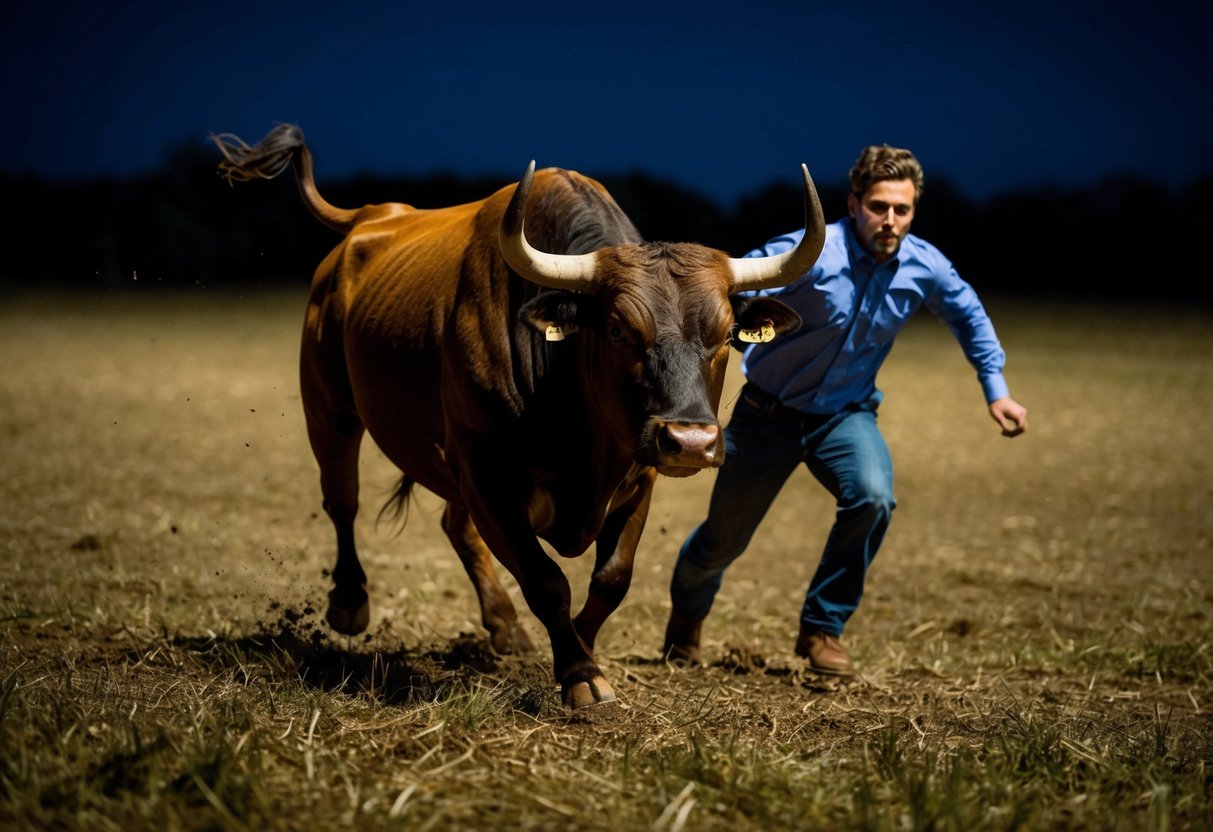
1035, 641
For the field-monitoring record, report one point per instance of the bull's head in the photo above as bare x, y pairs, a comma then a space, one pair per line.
658, 320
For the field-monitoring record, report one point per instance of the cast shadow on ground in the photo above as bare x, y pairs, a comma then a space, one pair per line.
298, 647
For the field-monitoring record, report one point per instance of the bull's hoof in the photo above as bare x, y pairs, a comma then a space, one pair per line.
511, 639
348, 622
349, 616
594, 691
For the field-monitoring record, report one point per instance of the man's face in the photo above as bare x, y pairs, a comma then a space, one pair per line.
883, 216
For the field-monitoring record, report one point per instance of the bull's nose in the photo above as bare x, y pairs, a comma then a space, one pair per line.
684, 440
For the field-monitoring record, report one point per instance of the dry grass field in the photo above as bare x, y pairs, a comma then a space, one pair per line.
1036, 643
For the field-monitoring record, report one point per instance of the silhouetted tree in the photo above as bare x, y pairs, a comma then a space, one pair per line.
183, 225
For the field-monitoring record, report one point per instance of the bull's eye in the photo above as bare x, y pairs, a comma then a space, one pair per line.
615, 332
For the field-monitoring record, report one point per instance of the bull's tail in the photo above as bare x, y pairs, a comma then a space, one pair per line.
396, 508
282, 147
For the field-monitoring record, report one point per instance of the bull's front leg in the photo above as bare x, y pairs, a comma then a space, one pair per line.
615, 553
512, 540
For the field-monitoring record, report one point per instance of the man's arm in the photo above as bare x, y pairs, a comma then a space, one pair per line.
958, 306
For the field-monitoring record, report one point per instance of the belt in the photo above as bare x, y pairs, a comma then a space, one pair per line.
769, 406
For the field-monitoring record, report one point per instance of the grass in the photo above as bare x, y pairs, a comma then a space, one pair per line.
1036, 642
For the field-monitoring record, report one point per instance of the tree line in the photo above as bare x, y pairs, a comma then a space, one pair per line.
183, 225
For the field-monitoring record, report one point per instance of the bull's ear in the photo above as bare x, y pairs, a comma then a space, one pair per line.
555, 313
761, 319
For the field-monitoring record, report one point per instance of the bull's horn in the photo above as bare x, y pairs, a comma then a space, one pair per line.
781, 269
554, 271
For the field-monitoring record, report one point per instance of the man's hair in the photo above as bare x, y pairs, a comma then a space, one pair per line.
879, 162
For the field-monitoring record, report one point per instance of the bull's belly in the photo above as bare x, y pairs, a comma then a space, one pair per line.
402, 413
422, 461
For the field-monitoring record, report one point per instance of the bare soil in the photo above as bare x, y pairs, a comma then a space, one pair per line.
161, 533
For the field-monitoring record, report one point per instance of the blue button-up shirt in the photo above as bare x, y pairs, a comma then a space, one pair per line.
852, 308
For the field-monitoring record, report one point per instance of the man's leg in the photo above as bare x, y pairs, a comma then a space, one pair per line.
759, 458
852, 461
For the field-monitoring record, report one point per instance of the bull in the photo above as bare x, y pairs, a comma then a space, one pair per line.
531, 360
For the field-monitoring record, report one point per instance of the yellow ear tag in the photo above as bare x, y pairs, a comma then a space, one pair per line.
554, 333
757, 336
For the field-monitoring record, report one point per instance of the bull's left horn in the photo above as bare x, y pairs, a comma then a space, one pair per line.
781, 269
554, 271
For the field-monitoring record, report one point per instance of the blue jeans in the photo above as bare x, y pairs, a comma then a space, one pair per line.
765, 441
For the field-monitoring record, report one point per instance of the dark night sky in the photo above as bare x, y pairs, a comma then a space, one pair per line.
721, 97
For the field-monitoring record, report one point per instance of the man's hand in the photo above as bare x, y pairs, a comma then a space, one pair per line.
1010, 415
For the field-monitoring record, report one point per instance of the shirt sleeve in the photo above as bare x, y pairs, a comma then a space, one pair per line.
956, 304
777, 245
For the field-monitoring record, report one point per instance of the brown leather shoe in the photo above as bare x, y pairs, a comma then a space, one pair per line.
682, 640
825, 653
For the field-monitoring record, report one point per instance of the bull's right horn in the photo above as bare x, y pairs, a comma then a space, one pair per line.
554, 271
781, 269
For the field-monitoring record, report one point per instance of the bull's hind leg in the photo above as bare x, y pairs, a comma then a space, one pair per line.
496, 610
335, 431
336, 444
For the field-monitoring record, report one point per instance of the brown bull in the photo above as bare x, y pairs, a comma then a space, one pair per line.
538, 390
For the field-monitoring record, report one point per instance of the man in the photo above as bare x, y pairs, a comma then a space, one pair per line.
810, 396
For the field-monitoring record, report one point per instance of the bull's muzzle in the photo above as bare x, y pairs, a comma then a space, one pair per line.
684, 448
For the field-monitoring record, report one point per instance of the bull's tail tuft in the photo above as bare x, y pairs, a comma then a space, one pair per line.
281, 148
396, 509
264, 160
